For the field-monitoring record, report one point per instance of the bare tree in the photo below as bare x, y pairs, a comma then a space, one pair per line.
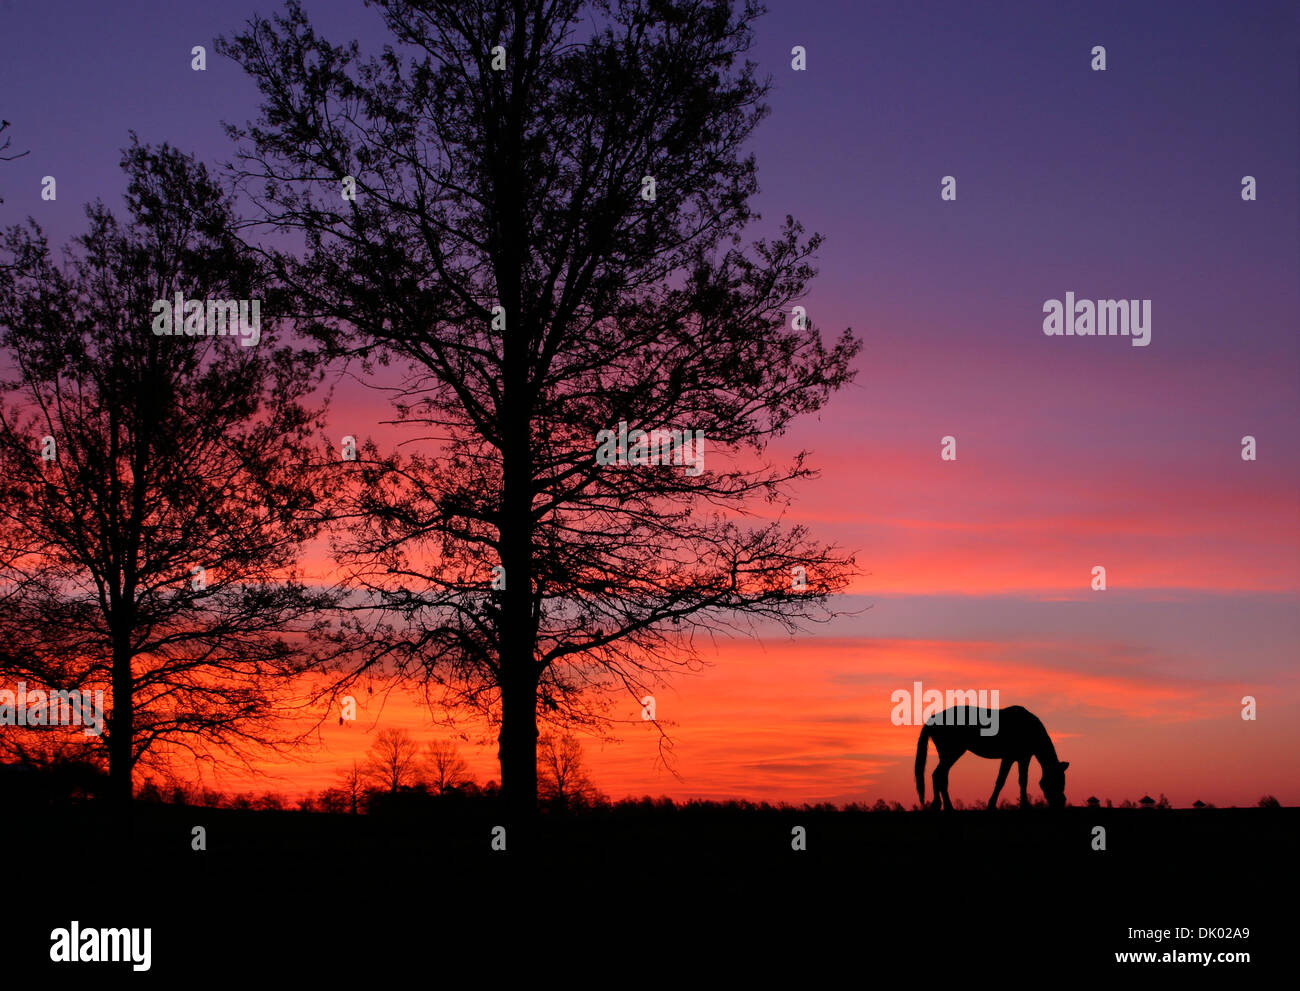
352, 789
545, 234
336, 800
155, 490
444, 768
393, 760
561, 776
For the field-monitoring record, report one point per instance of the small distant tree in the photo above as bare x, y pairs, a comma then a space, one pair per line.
444, 768
68, 767
392, 761
335, 800
1269, 802
562, 778
353, 789
1163, 802
880, 806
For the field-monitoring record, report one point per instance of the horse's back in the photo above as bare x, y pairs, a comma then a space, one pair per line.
985, 732
1020, 716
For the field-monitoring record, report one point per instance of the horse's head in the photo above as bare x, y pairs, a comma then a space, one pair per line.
1053, 784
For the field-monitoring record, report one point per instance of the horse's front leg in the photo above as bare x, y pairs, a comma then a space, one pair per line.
1003, 771
1024, 782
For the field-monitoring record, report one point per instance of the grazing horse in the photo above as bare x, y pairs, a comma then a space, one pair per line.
1020, 736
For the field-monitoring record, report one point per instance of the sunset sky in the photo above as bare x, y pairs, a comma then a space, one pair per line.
1071, 452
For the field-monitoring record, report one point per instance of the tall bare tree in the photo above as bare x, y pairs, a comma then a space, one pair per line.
154, 490
535, 208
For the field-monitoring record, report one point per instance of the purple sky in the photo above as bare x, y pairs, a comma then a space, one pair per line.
1072, 451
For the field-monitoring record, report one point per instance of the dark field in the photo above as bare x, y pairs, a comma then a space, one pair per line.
647, 895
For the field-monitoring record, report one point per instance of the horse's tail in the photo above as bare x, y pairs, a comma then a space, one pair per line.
922, 745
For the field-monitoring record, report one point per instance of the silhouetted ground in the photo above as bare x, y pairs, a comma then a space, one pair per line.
655, 895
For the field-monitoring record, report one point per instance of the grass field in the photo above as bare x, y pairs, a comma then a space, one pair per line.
625, 895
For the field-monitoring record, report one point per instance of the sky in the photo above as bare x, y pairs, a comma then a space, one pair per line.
1071, 452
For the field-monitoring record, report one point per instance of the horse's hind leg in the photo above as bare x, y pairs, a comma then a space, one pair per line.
941, 778
1003, 771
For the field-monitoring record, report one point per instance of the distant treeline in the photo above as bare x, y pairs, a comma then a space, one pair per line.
77, 781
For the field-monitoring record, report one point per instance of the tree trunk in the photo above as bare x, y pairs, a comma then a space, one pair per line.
518, 680
519, 747
121, 729
517, 632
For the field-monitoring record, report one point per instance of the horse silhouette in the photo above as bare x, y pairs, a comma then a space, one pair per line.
1020, 735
